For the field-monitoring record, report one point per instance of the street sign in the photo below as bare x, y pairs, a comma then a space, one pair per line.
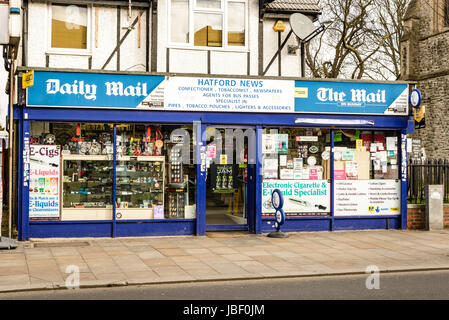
28, 79
419, 115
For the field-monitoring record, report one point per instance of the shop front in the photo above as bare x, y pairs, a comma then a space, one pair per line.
114, 155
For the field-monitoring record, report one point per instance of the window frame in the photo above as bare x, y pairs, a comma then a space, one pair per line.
69, 51
193, 9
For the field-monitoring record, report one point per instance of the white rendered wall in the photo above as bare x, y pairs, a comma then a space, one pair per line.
228, 62
187, 61
290, 64
3, 97
132, 58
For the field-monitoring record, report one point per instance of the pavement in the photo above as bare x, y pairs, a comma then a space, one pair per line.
46, 263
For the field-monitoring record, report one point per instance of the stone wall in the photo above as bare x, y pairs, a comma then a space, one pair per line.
425, 59
435, 136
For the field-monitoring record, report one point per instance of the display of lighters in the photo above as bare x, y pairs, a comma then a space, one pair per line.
176, 173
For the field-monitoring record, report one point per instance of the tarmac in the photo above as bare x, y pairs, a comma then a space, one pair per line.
41, 264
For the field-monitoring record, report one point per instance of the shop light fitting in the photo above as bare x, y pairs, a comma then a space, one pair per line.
334, 121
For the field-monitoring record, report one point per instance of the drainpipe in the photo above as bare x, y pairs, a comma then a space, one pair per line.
11, 137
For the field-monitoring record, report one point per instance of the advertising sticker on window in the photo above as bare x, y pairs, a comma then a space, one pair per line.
301, 197
367, 197
44, 181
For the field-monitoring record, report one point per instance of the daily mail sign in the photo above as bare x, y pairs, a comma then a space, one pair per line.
145, 92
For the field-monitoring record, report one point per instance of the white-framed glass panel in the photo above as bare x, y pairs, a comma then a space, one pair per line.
208, 30
208, 23
236, 15
208, 4
69, 27
179, 21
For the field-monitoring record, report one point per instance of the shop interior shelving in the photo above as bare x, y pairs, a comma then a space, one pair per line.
86, 187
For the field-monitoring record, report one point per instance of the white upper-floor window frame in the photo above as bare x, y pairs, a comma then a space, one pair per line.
222, 12
69, 51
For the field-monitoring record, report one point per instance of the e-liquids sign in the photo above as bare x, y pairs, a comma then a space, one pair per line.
302, 197
44, 181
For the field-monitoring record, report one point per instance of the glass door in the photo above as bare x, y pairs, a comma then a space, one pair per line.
229, 159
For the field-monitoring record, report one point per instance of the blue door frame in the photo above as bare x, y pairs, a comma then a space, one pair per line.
112, 228
250, 203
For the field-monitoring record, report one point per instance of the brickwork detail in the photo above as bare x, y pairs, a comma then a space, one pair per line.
416, 217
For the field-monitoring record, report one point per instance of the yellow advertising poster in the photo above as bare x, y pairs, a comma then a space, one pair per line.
223, 159
301, 92
28, 79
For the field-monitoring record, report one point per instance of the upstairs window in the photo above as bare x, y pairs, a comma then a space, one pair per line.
208, 23
69, 27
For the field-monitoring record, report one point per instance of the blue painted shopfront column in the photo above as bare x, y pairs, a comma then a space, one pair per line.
403, 152
258, 186
200, 148
24, 178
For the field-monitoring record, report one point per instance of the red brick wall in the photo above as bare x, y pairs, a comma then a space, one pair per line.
416, 216
446, 216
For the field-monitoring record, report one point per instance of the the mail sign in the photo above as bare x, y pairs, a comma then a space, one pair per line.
351, 97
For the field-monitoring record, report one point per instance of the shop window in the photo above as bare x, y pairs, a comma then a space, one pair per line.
297, 161
179, 21
69, 26
72, 172
208, 30
366, 172
155, 175
216, 23
363, 155
236, 24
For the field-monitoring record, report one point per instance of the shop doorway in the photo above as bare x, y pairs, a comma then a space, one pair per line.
230, 178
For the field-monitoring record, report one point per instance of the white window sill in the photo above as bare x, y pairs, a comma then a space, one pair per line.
69, 53
228, 49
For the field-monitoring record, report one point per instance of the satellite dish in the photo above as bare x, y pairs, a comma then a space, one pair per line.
301, 25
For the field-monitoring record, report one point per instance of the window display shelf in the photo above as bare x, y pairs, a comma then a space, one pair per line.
141, 158
86, 157
86, 187
134, 213
140, 186
86, 214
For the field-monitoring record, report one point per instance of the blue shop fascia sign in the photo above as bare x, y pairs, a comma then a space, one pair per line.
158, 92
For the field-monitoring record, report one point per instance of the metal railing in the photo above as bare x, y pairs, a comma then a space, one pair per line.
423, 172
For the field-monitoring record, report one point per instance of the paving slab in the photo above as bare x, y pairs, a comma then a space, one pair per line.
219, 256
